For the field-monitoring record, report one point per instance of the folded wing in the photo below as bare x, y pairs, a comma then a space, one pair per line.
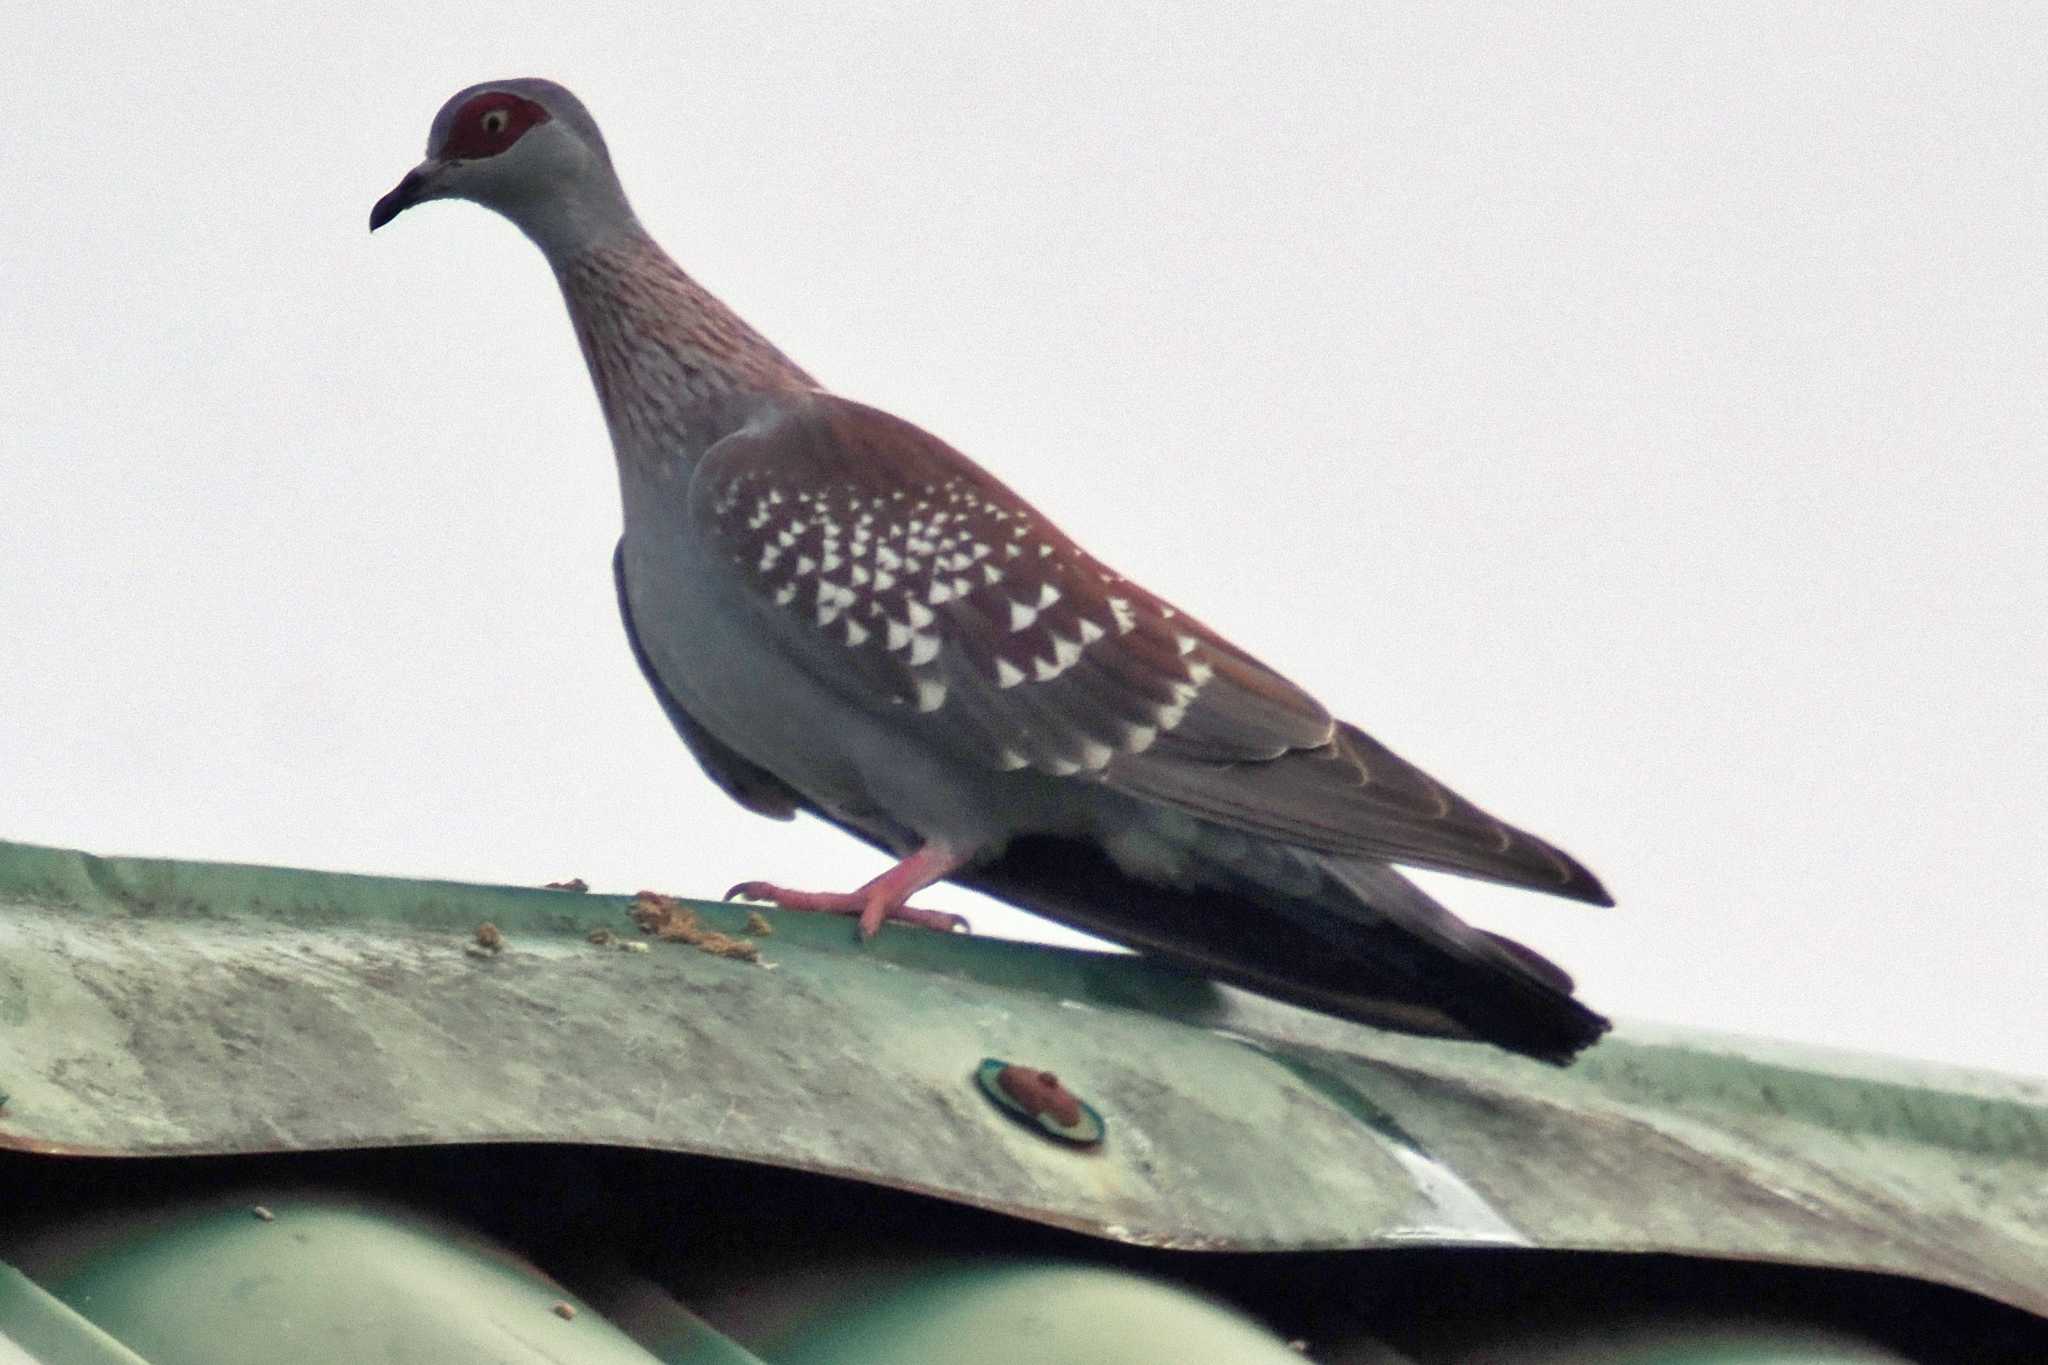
902, 575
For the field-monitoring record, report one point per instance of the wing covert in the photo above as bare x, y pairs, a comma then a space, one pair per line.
901, 574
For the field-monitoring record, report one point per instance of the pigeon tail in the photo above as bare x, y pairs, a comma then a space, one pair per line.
1366, 944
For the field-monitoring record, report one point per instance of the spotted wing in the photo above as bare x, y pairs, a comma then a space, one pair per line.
901, 574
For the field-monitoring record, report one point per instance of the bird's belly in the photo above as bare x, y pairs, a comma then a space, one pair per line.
699, 632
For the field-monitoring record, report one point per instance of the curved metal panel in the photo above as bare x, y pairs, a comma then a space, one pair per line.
154, 1007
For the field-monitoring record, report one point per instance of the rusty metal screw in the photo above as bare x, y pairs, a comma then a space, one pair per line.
1040, 1092
1038, 1098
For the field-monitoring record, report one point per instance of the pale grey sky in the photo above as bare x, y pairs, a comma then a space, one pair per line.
1633, 414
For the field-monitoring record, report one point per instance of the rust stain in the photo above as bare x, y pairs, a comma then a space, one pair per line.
1040, 1092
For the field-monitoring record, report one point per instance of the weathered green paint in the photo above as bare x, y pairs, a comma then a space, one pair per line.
149, 1006
48, 1331
1021, 1314
1703, 1344
326, 1281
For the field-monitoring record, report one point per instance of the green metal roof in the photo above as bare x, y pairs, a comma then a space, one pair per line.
156, 1007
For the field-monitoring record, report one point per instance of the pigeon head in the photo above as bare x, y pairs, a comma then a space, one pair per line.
529, 150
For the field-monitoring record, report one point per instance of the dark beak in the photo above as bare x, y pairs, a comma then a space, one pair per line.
417, 187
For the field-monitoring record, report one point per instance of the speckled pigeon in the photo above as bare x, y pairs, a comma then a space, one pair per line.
841, 614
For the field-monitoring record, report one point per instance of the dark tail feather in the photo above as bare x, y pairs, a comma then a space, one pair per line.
1369, 945
1505, 992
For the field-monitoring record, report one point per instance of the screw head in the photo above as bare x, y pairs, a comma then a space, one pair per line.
1039, 1100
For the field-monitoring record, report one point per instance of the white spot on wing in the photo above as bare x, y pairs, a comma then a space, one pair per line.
1047, 595
931, 694
1021, 616
1008, 674
856, 633
923, 648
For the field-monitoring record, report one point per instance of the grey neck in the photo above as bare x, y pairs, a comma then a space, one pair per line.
567, 227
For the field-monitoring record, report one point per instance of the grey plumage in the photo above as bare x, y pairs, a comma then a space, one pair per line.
843, 615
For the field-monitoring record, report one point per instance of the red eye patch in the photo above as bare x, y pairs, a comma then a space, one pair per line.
488, 124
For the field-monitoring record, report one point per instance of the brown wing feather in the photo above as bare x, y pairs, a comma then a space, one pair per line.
904, 568
1356, 797
902, 574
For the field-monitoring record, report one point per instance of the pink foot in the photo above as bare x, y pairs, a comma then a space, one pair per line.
871, 907
884, 898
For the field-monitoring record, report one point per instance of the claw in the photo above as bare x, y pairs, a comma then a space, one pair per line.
943, 921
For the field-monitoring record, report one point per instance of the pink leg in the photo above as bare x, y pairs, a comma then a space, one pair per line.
881, 899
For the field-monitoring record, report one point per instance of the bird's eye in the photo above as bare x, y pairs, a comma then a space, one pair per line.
488, 125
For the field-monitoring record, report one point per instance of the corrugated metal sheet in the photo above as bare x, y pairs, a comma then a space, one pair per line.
152, 1007
320, 1279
